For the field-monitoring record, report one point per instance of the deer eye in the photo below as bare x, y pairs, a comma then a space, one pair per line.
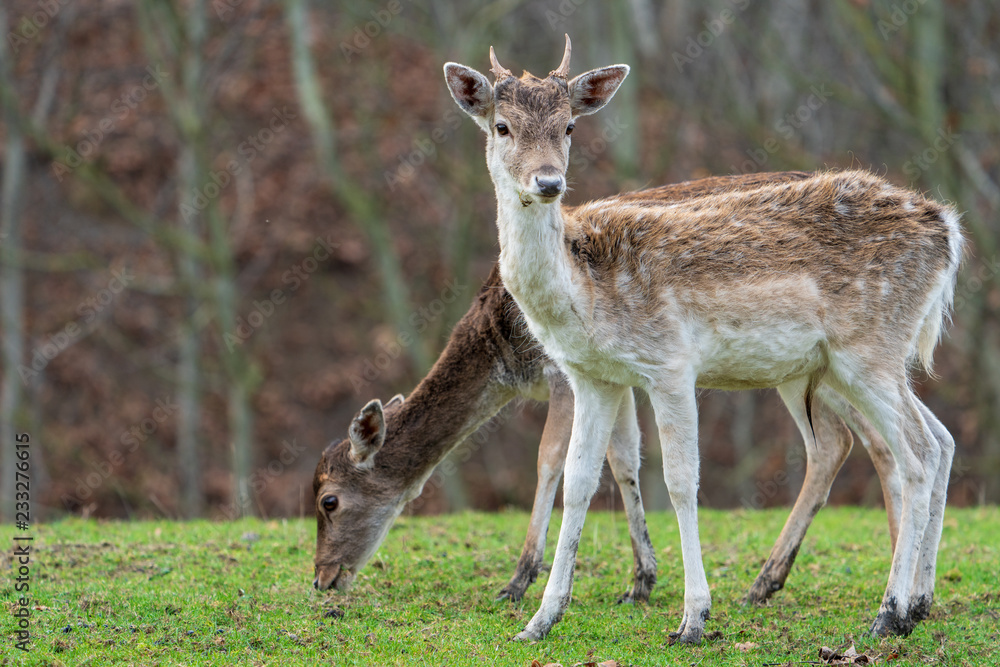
569, 129
330, 503
502, 129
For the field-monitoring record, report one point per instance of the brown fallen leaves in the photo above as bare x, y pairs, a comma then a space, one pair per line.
839, 656
829, 656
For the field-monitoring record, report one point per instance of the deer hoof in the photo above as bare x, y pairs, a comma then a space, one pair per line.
891, 622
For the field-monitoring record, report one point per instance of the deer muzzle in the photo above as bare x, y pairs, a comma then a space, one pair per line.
335, 576
547, 183
550, 186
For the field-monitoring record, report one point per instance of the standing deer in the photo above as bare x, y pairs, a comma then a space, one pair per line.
362, 483
831, 286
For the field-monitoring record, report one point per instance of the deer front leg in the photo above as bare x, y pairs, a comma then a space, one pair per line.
827, 442
593, 419
624, 459
551, 460
677, 419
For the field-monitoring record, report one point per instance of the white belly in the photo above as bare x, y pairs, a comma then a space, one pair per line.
741, 337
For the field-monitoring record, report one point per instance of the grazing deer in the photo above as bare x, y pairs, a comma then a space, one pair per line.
830, 286
362, 483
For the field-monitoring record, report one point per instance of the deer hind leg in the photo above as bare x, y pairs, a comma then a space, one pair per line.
827, 442
593, 419
894, 411
624, 459
923, 585
551, 461
677, 419
885, 464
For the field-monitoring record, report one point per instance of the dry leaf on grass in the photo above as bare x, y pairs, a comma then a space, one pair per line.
849, 657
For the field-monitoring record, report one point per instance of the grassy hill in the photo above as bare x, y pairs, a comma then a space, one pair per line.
203, 593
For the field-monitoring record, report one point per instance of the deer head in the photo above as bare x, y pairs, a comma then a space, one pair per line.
356, 502
528, 121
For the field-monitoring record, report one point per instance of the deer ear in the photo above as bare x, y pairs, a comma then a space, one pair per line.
592, 90
367, 433
471, 91
394, 401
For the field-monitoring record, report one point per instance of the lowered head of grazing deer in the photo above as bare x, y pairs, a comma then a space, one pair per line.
363, 482
528, 121
354, 508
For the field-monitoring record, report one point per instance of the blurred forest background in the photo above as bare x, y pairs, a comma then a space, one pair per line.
219, 216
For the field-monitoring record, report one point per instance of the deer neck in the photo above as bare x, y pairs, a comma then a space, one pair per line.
461, 392
535, 263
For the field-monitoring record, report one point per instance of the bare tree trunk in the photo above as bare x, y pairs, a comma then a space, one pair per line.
188, 375
928, 51
189, 383
621, 131
928, 58
11, 278
240, 375
187, 264
189, 417
178, 36
362, 206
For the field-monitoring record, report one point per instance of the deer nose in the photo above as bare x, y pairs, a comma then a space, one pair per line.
550, 186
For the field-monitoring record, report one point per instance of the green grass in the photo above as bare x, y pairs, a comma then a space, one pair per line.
164, 593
